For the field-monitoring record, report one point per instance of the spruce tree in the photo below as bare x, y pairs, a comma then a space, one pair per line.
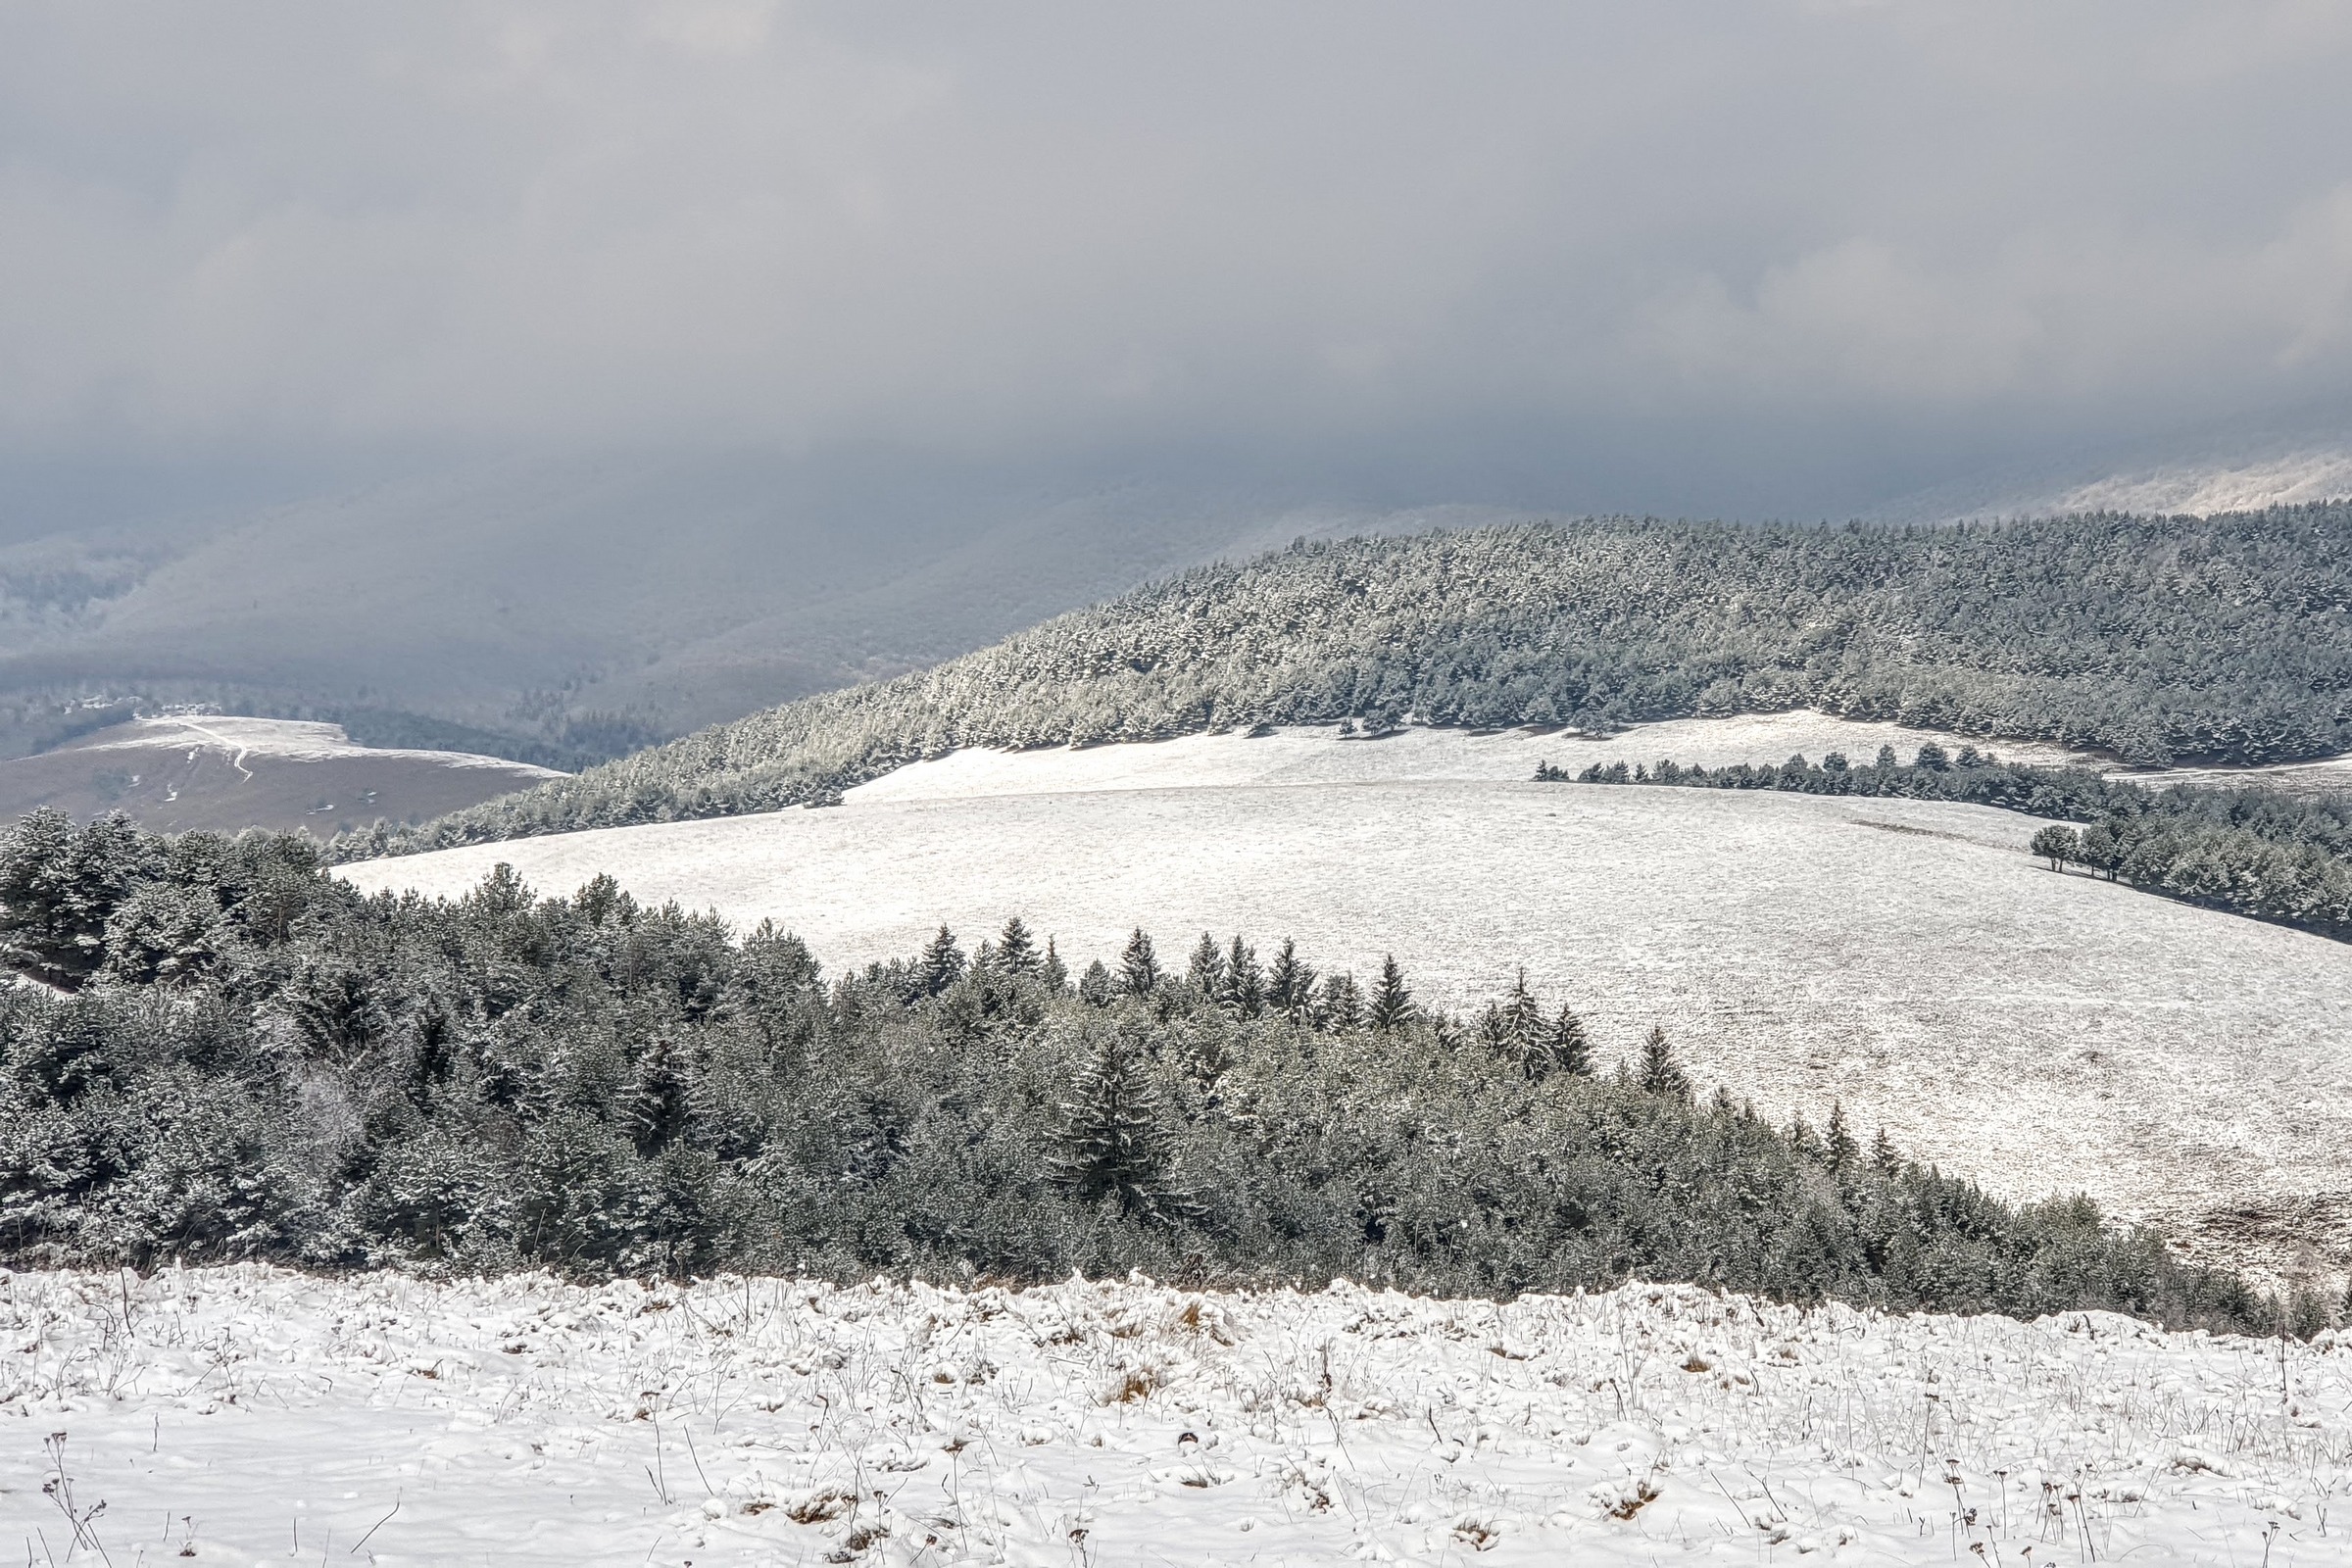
1571, 1051
1016, 950
1392, 1003
1343, 1006
1095, 988
1660, 1074
1139, 968
1243, 990
1206, 973
1053, 972
1524, 1018
942, 964
1883, 1156
1291, 985
1842, 1152
1110, 1148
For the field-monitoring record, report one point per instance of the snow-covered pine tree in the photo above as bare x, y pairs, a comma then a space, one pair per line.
1392, 1005
1138, 966
1016, 950
1570, 1049
942, 964
1291, 985
1206, 972
1244, 992
1096, 987
1840, 1151
1110, 1148
1343, 1006
1053, 972
1660, 1074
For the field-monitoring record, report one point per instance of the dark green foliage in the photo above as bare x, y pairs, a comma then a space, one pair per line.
598, 1088
1113, 1147
2057, 845
2157, 639
2249, 851
942, 964
1658, 1072
1138, 968
1391, 1007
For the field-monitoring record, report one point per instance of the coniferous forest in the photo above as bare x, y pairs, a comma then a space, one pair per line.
225, 1053
2222, 639
2250, 851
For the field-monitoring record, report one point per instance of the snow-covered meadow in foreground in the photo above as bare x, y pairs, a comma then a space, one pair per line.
2043, 1033
248, 1415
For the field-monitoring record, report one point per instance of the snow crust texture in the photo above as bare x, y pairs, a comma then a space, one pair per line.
248, 1415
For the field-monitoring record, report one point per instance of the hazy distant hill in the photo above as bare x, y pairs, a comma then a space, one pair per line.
224, 774
564, 612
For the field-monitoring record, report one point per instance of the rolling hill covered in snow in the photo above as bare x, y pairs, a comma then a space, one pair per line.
2219, 640
2042, 1033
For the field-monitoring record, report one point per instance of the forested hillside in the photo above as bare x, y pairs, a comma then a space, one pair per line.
231, 1054
2250, 851
2157, 639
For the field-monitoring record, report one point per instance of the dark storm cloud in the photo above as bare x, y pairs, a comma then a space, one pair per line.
1695, 256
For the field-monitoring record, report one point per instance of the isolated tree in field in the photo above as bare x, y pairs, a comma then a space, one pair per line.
1660, 1074
1016, 950
1392, 1003
942, 964
2058, 844
1110, 1147
1138, 966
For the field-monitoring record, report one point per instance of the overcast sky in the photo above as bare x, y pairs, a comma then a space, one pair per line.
1696, 257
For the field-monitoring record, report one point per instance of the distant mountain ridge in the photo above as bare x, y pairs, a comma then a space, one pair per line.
2155, 639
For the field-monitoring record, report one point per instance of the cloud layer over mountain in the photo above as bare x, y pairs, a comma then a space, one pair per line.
1716, 258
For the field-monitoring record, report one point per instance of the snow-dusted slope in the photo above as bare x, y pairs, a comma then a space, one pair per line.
2043, 1033
244, 1416
224, 773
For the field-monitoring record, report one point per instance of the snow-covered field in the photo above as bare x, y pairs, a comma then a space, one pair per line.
253, 1416
2043, 1033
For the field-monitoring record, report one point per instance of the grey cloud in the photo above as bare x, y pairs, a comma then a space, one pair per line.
1693, 257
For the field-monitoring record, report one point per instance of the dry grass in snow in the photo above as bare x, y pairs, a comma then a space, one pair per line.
249, 1415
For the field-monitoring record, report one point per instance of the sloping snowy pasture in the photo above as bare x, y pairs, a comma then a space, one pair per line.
250, 1416
2042, 1033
